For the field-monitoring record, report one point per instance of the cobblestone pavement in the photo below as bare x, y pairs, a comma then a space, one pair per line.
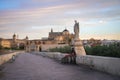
32, 67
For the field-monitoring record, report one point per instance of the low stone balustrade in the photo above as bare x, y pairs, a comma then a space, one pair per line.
6, 57
64, 58
107, 64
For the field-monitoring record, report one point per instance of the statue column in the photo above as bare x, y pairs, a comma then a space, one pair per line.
77, 43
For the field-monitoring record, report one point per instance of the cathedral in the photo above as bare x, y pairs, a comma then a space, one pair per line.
63, 37
54, 39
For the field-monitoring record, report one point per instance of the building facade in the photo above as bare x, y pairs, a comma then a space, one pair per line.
5, 43
13, 43
54, 39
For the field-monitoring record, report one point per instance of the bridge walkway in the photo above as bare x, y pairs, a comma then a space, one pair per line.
32, 67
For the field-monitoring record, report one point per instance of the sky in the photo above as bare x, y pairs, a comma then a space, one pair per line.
99, 19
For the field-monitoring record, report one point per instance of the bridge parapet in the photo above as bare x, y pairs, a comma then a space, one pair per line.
6, 57
107, 64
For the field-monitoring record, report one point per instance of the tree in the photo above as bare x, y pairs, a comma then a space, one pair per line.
113, 50
65, 49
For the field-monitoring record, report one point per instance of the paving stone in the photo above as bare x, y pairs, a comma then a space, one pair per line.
33, 67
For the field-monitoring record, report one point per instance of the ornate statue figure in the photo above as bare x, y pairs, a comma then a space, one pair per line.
76, 29
77, 43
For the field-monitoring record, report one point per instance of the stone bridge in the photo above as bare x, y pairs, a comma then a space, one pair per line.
32, 67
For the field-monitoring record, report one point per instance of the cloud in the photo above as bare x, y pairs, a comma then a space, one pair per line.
56, 13
49, 13
101, 36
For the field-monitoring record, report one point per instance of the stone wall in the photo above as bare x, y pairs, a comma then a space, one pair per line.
106, 64
54, 55
6, 57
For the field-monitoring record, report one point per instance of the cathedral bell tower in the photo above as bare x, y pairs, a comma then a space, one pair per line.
14, 38
26, 38
51, 30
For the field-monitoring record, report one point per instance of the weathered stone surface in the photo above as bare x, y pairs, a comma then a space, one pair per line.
78, 47
107, 64
80, 51
6, 57
77, 43
33, 67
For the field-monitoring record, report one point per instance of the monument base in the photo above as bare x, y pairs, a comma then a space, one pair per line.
78, 47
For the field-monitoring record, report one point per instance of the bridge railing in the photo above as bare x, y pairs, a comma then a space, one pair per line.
6, 57
106, 64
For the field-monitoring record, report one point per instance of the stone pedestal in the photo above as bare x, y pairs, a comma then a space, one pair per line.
78, 47
77, 43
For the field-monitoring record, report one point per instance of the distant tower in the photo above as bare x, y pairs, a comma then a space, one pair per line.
51, 30
26, 38
14, 37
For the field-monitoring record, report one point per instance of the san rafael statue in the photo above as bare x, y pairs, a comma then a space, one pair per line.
77, 43
76, 30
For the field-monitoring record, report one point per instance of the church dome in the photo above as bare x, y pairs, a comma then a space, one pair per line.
14, 35
26, 37
65, 32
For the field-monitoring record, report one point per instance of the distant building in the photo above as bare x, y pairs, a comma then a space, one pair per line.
92, 42
13, 43
61, 37
5, 43
54, 39
96, 42
109, 42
